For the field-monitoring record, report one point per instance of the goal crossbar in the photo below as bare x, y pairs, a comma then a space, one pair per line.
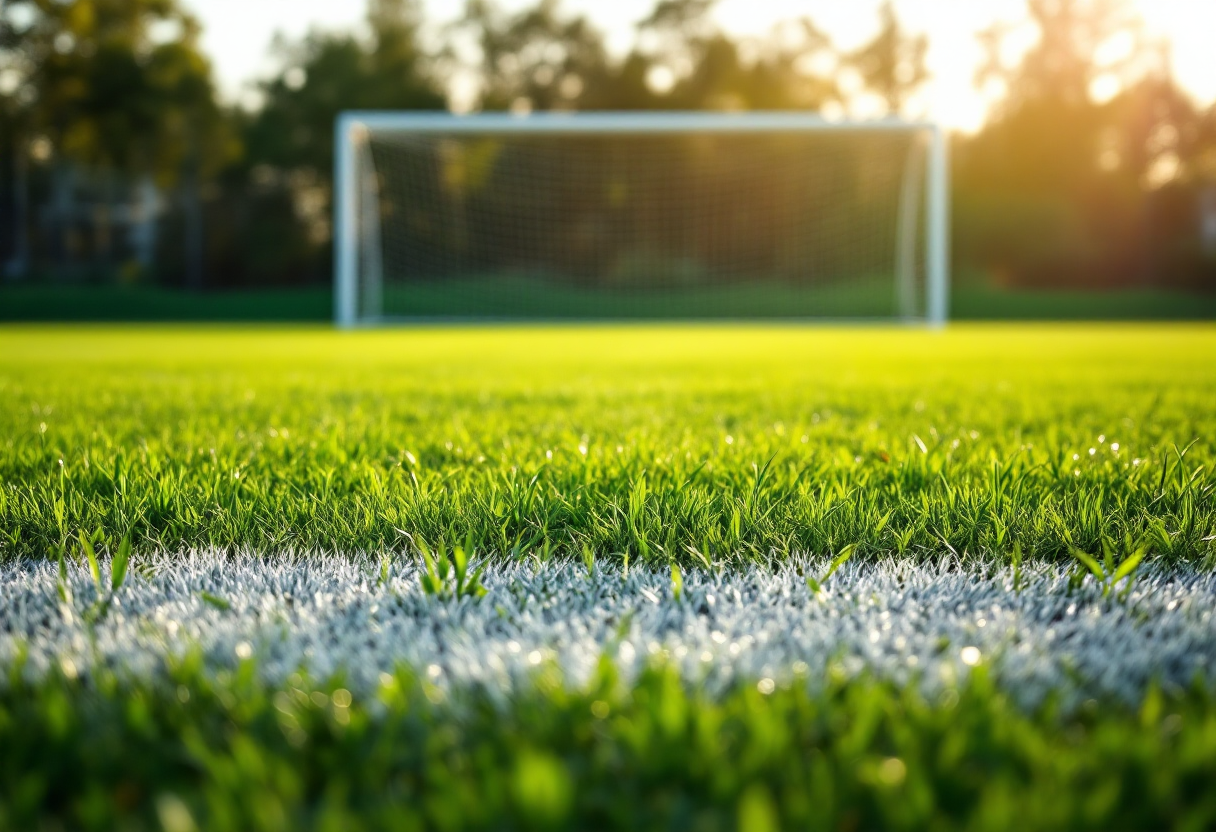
352, 127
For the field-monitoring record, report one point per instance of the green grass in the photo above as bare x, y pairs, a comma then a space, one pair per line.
695, 444
201, 753
639, 441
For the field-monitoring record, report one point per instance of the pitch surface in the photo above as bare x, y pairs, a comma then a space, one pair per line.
646, 441
227, 685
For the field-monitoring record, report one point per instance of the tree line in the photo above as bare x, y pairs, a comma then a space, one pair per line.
120, 162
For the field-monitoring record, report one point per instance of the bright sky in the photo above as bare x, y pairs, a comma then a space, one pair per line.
239, 32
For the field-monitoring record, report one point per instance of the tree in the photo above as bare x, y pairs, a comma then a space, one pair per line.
289, 141
328, 73
892, 65
777, 79
709, 71
15, 113
537, 59
119, 87
1045, 193
540, 58
1063, 65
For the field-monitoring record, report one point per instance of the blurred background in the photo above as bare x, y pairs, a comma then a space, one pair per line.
171, 159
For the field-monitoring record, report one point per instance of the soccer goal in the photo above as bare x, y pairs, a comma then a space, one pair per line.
639, 216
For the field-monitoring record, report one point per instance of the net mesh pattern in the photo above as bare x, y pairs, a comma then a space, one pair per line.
683, 225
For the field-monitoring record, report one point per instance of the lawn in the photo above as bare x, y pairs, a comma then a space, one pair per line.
637, 441
1021, 637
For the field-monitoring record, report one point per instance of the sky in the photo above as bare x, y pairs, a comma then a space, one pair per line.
238, 34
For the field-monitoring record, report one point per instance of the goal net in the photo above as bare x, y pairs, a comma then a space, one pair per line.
634, 216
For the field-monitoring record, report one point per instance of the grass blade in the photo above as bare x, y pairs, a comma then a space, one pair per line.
473, 587
215, 601
461, 560
90, 555
118, 567
839, 561
65, 592
1129, 565
1089, 563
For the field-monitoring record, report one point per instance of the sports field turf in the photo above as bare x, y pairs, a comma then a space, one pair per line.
656, 645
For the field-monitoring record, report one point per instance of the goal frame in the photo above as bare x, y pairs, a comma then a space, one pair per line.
352, 127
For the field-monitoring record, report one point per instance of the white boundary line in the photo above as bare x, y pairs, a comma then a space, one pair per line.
925, 624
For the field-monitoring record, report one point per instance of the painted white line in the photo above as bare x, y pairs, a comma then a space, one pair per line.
896, 620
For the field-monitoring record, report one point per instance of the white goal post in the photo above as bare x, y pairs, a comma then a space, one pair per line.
638, 214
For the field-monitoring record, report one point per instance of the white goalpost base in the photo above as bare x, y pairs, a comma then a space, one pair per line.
639, 215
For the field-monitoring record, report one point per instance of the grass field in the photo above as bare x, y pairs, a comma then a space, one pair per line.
1022, 637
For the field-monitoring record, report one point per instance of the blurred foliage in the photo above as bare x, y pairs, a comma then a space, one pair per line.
327, 73
117, 84
1090, 172
1063, 189
197, 749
